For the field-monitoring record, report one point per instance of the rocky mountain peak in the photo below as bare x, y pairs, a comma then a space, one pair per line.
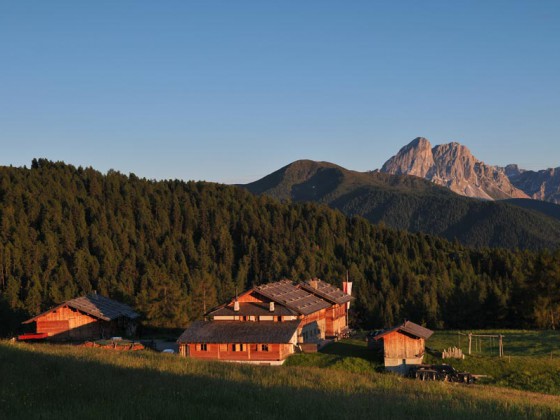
454, 166
419, 142
513, 170
452, 150
413, 159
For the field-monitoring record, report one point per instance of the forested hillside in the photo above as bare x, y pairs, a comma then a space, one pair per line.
173, 249
416, 205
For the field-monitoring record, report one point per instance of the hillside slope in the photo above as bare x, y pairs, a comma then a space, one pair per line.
153, 385
411, 203
175, 249
547, 208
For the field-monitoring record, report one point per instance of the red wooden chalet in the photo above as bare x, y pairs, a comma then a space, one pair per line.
85, 318
267, 323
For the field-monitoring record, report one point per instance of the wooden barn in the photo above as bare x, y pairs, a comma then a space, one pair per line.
402, 346
85, 318
269, 322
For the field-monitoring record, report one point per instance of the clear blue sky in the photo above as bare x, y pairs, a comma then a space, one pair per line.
231, 90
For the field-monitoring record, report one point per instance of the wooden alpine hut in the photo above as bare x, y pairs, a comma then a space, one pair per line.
85, 318
269, 322
402, 346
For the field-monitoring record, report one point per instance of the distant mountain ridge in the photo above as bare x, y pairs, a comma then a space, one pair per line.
413, 204
539, 185
452, 165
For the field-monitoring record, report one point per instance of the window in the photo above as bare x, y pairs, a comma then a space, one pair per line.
237, 347
204, 347
264, 347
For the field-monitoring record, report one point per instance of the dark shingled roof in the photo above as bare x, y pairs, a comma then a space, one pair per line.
97, 306
239, 332
295, 298
326, 291
252, 308
408, 327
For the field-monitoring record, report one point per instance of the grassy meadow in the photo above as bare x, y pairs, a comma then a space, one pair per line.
531, 362
62, 381
531, 358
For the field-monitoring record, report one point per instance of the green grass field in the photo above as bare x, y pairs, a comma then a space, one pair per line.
62, 381
531, 358
531, 362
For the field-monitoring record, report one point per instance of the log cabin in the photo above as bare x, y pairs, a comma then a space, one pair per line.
402, 346
269, 322
84, 318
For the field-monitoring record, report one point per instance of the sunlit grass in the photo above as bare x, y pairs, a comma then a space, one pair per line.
59, 381
516, 342
531, 358
531, 362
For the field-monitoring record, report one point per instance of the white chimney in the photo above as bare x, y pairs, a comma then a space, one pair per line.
271, 306
236, 306
314, 283
347, 288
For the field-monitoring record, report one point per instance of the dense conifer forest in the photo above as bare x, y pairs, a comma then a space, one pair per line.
175, 249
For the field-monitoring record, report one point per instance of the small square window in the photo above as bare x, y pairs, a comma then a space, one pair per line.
237, 347
204, 347
264, 347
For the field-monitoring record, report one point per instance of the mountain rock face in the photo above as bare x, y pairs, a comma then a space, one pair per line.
453, 166
513, 170
540, 185
416, 158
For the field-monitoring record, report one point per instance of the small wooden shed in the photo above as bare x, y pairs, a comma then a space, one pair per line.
85, 318
403, 346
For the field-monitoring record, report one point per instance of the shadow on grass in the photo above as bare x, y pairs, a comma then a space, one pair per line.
147, 332
350, 355
34, 384
351, 348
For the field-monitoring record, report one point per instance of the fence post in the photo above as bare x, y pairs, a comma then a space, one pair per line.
501, 346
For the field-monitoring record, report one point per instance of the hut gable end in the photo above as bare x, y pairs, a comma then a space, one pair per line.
84, 318
403, 346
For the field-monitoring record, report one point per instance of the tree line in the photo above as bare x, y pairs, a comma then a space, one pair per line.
175, 249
